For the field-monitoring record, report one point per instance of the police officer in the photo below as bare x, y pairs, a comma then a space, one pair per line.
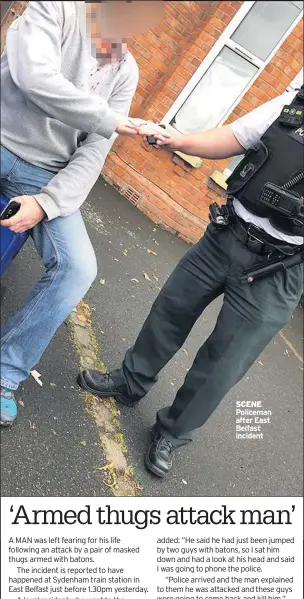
262, 220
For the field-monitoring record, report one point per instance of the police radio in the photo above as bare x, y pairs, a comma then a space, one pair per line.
284, 201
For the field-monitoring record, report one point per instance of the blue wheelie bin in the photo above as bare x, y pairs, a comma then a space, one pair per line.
10, 243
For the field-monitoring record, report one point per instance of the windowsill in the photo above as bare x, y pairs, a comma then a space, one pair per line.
219, 178
192, 160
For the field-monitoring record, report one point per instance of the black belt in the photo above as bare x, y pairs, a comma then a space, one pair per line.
258, 241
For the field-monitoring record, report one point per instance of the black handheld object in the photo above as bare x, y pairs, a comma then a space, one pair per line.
219, 215
10, 210
270, 266
152, 141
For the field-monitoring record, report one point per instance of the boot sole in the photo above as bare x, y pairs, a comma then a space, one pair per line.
7, 424
103, 394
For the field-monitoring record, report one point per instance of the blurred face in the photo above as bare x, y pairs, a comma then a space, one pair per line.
110, 23
106, 47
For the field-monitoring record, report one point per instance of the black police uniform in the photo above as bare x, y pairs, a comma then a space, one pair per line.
251, 314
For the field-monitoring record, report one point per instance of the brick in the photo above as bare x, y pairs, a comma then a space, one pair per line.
225, 20
265, 76
218, 23
229, 8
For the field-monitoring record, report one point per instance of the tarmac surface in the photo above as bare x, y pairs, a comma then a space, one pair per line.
53, 449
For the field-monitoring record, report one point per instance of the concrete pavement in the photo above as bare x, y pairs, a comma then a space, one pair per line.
59, 456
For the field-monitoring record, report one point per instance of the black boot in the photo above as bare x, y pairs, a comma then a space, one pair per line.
103, 385
158, 458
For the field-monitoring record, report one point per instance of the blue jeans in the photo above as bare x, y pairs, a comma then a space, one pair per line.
70, 269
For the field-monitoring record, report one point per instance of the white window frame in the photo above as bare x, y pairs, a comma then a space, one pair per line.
225, 40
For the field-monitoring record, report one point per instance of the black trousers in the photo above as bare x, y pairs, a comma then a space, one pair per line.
250, 316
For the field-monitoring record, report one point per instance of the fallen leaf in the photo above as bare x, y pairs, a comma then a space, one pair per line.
102, 281
185, 351
125, 252
135, 280
36, 375
156, 278
53, 385
146, 276
152, 252
260, 362
83, 443
20, 402
115, 260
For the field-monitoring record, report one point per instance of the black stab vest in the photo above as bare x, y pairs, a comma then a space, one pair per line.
276, 158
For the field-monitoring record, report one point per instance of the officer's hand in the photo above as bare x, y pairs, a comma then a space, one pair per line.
152, 129
29, 215
169, 141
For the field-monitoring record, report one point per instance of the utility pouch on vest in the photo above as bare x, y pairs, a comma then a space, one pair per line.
249, 166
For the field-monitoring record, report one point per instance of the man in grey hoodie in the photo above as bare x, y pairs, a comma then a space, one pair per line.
67, 83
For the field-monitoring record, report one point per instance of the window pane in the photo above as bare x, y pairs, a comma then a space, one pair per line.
264, 26
215, 93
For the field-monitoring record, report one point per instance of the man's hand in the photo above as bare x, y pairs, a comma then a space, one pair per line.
29, 215
131, 127
127, 127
